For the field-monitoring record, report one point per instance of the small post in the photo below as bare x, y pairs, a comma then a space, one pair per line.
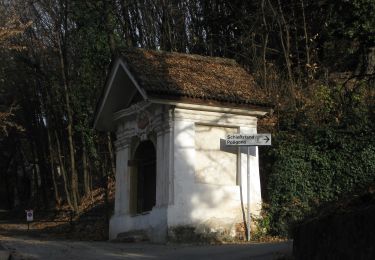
248, 194
29, 217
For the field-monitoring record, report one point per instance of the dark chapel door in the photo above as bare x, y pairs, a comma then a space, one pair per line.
146, 176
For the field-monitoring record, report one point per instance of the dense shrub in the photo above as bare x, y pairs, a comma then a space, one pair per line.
323, 150
314, 167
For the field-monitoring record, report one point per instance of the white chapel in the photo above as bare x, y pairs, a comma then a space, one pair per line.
174, 174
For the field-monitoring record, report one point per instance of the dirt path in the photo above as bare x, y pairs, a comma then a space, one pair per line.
25, 247
39, 244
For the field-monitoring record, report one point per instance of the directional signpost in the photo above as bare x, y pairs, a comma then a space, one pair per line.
248, 140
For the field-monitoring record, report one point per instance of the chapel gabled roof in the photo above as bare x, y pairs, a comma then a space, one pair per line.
178, 75
158, 76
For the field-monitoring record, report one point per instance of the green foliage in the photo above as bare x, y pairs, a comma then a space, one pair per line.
354, 19
316, 168
263, 224
348, 34
325, 151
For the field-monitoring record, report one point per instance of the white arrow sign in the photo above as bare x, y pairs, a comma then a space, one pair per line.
248, 139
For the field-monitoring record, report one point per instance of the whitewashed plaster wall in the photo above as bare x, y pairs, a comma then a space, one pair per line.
155, 221
180, 199
209, 205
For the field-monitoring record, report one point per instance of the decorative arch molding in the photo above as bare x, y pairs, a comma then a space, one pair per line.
143, 121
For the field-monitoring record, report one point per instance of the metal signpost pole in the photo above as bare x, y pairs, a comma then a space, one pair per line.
248, 140
248, 193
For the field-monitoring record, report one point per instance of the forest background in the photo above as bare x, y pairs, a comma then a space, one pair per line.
315, 59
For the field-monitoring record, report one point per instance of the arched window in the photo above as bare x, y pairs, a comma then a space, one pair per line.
143, 184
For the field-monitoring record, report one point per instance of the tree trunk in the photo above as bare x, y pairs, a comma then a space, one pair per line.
111, 154
285, 44
74, 175
369, 61
63, 172
53, 172
129, 33
307, 48
86, 173
285, 41
8, 185
265, 42
41, 181
108, 27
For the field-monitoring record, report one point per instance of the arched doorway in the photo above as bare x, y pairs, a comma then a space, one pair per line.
144, 182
